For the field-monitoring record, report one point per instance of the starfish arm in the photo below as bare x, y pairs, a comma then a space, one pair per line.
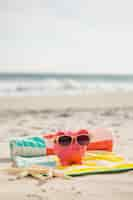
22, 174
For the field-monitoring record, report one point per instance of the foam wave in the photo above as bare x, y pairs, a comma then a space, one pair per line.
55, 87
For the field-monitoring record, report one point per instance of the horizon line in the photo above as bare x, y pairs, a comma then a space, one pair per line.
65, 73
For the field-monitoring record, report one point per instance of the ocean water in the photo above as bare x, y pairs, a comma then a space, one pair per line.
62, 84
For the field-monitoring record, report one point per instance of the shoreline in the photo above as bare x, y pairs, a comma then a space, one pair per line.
99, 100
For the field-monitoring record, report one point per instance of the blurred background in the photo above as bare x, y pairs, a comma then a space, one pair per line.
57, 47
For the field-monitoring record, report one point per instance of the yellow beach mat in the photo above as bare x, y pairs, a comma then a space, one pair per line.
97, 162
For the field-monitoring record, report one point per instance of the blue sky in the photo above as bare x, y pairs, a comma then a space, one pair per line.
66, 36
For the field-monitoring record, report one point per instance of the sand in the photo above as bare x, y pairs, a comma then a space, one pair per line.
24, 116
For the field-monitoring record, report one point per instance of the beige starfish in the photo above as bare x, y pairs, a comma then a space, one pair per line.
36, 172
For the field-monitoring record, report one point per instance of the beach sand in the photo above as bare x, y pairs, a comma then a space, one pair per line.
24, 116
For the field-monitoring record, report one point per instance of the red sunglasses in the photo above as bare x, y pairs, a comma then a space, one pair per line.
65, 140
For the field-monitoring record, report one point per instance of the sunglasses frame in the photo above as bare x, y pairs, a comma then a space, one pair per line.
56, 141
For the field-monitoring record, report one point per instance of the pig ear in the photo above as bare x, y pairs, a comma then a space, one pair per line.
60, 133
83, 131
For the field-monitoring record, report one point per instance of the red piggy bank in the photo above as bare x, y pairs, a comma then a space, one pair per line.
70, 147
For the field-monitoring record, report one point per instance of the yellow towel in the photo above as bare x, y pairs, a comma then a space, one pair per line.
96, 162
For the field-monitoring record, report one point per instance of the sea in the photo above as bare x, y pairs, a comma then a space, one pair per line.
52, 84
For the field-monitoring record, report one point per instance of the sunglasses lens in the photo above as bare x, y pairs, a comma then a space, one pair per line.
83, 139
65, 140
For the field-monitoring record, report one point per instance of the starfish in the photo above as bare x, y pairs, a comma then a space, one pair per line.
35, 171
